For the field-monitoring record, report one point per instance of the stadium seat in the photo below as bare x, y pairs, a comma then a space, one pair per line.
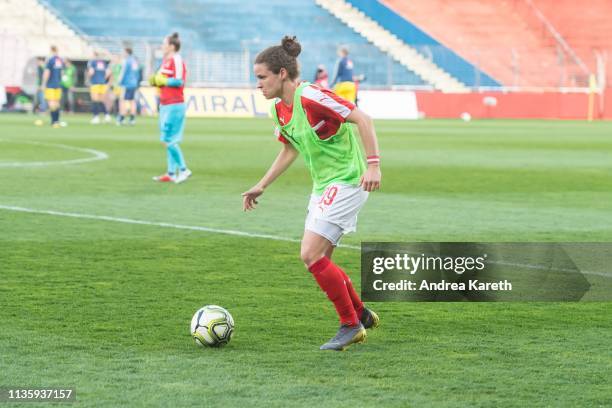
505, 38
205, 22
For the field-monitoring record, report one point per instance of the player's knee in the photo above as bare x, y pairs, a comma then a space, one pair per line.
306, 258
310, 256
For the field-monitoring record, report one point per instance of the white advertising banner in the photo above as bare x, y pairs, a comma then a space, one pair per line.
389, 104
219, 102
214, 102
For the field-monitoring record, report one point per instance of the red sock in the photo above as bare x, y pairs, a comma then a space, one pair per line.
357, 303
331, 279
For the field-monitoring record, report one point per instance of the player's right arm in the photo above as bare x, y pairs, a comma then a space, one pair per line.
47, 72
90, 70
336, 73
282, 162
123, 72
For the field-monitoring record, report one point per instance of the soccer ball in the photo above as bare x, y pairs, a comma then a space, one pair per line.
212, 326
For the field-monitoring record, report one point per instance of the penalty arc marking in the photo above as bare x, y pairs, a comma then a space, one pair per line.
95, 155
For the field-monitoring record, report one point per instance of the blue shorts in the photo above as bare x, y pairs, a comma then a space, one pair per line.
172, 122
129, 93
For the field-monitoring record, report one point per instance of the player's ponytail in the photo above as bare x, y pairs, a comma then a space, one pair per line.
282, 56
174, 40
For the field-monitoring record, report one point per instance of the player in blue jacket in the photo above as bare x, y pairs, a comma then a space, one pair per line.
130, 78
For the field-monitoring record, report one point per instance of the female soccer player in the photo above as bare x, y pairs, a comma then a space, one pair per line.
113, 99
130, 81
171, 79
312, 121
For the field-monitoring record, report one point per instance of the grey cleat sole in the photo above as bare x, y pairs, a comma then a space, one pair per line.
345, 337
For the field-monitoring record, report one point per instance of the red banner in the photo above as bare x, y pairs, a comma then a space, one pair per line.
515, 105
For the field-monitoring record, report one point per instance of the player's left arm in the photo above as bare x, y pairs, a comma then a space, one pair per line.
176, 80
173, 82
162, 80
371, 178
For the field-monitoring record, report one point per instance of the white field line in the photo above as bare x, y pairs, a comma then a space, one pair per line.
95, 155
156, 224
233, 232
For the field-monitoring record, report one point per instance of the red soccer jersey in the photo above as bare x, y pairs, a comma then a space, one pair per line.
172, 67
325, 111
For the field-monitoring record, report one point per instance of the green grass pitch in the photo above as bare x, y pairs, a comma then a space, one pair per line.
104, 305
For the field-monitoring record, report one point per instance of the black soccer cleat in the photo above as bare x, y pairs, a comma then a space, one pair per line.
369, 319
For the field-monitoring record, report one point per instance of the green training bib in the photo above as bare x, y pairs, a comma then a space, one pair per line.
337, 159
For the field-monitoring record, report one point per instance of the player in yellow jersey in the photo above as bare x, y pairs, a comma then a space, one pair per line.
52, 84
98, 73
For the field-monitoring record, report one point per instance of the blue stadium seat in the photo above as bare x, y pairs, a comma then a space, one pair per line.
233, 25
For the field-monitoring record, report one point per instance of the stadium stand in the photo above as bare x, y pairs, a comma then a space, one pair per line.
204, 24
502, 37
26, 30
390, 43
14, 58
586, 29
410, 34
40, 27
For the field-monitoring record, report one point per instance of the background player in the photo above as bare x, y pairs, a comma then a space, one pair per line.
40, 105
171, 79
52, 84
98, 73
343, 83
322, 77
312, 121
131, 76
69, 78
113, 97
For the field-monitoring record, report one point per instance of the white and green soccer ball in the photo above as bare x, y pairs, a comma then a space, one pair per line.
212, 326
